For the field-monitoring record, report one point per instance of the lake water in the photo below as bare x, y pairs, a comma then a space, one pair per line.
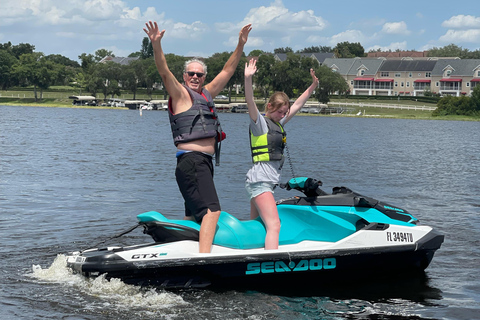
70, 178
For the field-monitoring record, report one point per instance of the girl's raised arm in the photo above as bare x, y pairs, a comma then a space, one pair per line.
300, 102
250, 69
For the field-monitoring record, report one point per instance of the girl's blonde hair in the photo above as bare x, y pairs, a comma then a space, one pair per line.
277, 100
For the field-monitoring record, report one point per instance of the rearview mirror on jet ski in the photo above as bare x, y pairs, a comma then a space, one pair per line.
308, 186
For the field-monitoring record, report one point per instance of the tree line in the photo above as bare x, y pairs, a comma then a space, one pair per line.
21, 66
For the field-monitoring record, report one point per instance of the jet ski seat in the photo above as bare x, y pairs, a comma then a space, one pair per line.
249, 234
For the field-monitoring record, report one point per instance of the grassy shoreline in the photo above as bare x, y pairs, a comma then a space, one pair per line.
367, 112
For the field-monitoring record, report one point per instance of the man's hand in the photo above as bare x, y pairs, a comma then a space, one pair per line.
153, 32
243, 36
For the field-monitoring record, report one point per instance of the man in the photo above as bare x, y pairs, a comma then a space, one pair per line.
196, 130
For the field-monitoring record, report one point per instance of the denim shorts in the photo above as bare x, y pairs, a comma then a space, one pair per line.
257, 188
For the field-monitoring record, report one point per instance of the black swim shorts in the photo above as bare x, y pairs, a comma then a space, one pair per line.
194, 175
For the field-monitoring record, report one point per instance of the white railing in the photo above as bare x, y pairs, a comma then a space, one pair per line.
384, 105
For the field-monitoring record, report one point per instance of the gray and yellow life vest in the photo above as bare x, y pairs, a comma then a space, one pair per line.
269, 146
198, 122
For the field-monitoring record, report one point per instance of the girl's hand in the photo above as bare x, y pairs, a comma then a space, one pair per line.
314, 78
250, 68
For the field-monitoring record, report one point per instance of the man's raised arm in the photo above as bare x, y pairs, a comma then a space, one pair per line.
174, 88
221, 80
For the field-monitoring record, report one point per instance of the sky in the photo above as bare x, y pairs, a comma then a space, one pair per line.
202, 28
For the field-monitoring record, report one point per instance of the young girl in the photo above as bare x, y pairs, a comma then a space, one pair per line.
267, 141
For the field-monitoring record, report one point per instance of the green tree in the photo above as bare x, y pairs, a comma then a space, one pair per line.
110, 74
451, 50
349, 50
25, 70
7, 61
59, 59
21, 49
256, 53
316, 49
215, 65
34, 69
264, 75
7, 46
283, 50
292, 76
134, 54
473, 54
66, 75
79, 81
147, 49
476, 98
46, 75
135, 75
467, 106
151, 76
329, 82
87, 60
92, 80
102, 53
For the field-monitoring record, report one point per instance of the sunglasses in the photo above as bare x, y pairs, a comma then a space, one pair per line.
191, 74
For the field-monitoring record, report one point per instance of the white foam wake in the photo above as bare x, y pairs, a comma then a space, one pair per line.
112, 291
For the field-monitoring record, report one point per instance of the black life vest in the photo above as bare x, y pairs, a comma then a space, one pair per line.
198, 122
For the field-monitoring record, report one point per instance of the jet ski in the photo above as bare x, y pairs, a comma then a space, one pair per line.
323, 237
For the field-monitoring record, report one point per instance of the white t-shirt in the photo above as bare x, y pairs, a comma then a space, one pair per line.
263, 171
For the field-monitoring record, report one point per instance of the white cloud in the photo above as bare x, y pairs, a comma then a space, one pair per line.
457, 36
116, 51
133, 14
71, 35
103, 9
396, 28
274, 26
54, 16
462, 22
151, 14
427, 46
300, 21
392, 46
286, 40
348, 35
48, 12
316, 39
263, 17
188, 31
276, 18
255, 42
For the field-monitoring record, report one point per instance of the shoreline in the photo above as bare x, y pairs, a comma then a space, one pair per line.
371, 115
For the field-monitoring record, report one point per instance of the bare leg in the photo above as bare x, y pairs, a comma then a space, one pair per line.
253, 210
267, 208
207, 230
